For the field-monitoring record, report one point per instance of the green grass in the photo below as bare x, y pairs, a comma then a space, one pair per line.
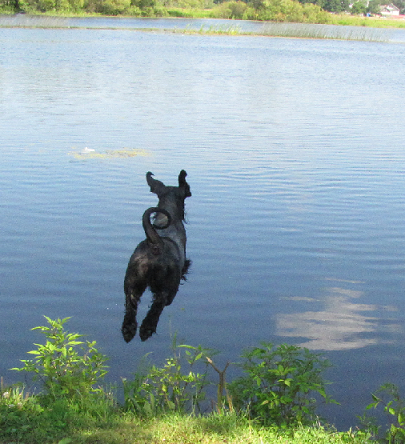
98, 419
212, 429
175, 428
370, 22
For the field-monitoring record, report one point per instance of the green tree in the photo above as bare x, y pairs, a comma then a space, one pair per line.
231, 10
400, 4
10, 5
359, 7
143, 4
336, 5
374, 6
108, 7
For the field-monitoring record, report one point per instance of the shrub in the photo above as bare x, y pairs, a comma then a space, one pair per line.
230, 10
143, 4
314, 14
286, 11
58, 365
108, 7
69, 398
76, 5
278, 384
388, 396
168, 388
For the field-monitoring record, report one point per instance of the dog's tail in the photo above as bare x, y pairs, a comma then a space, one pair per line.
154, 239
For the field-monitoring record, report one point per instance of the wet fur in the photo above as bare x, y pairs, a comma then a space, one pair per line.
159, 262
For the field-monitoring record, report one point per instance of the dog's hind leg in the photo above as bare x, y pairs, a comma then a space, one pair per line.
133, 295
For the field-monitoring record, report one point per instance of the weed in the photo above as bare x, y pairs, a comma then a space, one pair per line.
59, 366
388, 396
169, 388
278, 384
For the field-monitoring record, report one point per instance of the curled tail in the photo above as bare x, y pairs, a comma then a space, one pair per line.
154, 239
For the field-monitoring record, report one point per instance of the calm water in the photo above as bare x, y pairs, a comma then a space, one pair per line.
295, 155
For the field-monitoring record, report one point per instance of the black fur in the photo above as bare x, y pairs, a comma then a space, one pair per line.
159, 262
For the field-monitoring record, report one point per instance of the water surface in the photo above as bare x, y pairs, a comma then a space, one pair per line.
294, 153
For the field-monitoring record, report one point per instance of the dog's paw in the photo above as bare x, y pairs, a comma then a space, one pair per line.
145, 332
129, 331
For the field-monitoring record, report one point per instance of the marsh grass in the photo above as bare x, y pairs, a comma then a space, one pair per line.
341, 28
294, 30
210, 30
302, 30
32, 21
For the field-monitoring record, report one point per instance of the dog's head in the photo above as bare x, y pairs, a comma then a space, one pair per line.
170, 196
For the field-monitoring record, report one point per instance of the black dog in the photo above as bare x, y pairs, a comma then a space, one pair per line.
159, 261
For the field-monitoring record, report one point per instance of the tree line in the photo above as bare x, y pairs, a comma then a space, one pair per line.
309, 11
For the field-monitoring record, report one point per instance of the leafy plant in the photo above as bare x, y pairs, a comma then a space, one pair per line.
62, 370
279, 383
17, 408
394, 406
230, 9
68, 399
169, 388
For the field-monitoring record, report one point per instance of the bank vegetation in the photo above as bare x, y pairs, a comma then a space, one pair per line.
187, 399
295, 11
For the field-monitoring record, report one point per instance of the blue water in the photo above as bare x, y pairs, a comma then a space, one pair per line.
294, 153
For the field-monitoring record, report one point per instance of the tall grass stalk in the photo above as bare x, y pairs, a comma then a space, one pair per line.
295, 30
302, 30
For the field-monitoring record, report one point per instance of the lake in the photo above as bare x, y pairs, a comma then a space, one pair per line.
295, 156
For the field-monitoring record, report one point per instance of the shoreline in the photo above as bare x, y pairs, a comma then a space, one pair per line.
335, 19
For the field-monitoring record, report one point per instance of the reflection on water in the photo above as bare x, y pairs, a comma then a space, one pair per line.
340, 323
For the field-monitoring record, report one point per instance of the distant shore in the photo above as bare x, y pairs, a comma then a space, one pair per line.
333, 19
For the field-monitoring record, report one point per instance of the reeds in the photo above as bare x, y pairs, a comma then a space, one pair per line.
297, 30
271, 29
32, 21
311, 31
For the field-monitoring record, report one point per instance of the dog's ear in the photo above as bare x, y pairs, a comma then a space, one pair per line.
183, 184
156, 186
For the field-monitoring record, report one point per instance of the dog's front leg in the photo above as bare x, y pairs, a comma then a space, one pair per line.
149, 324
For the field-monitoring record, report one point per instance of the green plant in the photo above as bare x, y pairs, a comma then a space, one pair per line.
279, 383
108, 7
18, 411
59, 366
168, 388
230, 9
394, 406
359, 7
